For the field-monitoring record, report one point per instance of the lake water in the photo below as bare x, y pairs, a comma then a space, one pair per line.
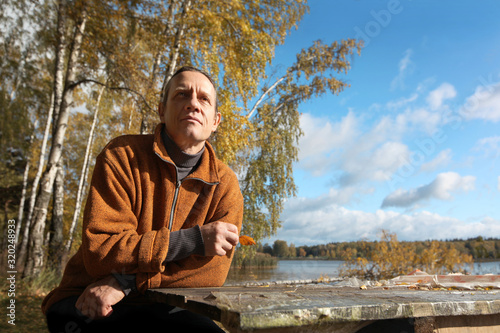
314, 269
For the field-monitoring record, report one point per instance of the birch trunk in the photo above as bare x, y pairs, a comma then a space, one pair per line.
176, 49
60, 54
20, 214
23, 247
131, 117
157, 62
83, 175
173, 57
55, 238
58, 88
36, 253
166, 32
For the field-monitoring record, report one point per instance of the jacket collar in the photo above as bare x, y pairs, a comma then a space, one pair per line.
206, 171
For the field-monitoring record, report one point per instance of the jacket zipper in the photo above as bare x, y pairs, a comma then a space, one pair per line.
174, 203
176, 193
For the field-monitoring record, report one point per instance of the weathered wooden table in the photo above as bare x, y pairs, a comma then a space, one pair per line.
329, 308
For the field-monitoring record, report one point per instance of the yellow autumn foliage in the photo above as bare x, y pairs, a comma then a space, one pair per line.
389, 258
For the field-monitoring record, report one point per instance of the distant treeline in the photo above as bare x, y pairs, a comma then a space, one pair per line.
479, 248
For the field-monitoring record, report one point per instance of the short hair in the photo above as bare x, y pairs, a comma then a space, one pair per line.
189, 69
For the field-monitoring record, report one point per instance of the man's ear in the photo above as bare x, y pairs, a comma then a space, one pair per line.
217, 119
161, 111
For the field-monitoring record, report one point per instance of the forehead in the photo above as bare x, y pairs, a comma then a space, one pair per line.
193, 80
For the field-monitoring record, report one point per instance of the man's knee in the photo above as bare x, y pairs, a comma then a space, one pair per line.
57, 323
63, 317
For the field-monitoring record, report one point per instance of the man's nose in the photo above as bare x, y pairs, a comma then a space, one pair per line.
193, 103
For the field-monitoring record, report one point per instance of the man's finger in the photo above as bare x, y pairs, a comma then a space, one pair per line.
231, 227
232, 238
227, 246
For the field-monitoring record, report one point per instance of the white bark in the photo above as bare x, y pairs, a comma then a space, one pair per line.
36, 253
55, 234
55, 102
23, 199
264, 95
84, 174
131, 117
58, 88
176, 49
174, 55
23, 247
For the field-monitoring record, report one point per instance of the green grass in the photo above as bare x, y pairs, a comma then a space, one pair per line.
28, 296
29, 316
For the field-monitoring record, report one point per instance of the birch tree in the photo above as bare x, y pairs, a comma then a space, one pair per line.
23, 248
276, 130
84, 174
23, 98
36, 255
55, 233
137, 46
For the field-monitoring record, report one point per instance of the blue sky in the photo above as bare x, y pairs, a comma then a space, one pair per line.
413, 145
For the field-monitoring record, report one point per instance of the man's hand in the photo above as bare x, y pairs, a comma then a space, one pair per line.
219, 237
99, 297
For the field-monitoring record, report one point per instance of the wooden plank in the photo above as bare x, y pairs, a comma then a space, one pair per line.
242, 309
459, 324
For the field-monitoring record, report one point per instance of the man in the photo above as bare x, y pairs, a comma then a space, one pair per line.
162, 211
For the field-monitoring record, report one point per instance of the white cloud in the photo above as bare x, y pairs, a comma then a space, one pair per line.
439, 95
322, 138
442, 159
405, 67
377, 163
490, 146
483, 104
498, 184
342, 148
421, 119
430, 117
426, 118
399, 103
357, 150
322, 220
374, 155
441, 188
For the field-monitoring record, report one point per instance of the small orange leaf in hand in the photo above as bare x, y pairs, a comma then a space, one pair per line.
246, 240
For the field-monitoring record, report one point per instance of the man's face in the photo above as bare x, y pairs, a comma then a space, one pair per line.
189, 113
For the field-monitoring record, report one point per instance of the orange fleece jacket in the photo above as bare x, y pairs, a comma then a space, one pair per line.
132, 199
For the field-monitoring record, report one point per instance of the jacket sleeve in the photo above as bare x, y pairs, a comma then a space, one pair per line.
198, 270
110, 242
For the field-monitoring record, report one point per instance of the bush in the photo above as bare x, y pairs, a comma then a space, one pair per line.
390, 258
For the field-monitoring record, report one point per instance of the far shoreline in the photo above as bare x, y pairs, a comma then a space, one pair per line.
329, 259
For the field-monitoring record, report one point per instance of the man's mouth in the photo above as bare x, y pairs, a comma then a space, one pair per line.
190, 118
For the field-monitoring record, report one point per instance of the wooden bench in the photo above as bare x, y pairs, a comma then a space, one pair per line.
329, 308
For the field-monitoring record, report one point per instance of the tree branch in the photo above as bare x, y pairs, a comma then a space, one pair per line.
75, 84
264, 95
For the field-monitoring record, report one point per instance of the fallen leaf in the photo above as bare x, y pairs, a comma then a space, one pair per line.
246, 240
